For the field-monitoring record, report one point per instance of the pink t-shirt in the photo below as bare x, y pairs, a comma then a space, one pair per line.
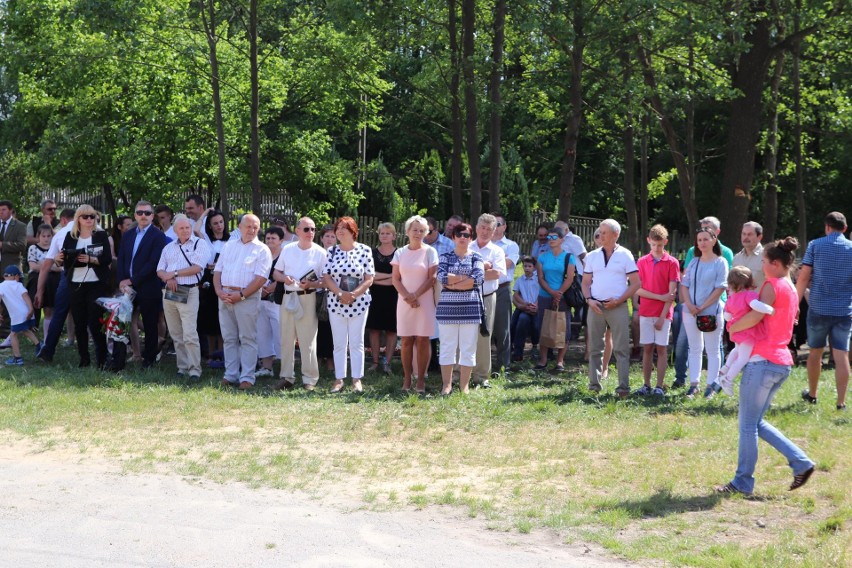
738, 306
772, 345
655, 278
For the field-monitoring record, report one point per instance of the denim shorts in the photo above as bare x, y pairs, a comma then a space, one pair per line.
24, 326
820, 327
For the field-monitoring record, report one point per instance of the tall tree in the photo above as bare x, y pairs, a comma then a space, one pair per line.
495, 129
471, 107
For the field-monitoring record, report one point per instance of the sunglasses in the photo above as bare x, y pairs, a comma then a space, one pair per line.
50, 209
145, 213
464, 235
309, 229
431, 231
500, 223
88, 216
553, 237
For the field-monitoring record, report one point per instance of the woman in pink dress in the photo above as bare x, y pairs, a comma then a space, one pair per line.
414, 268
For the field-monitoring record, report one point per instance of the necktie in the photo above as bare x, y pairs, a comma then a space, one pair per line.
2, 230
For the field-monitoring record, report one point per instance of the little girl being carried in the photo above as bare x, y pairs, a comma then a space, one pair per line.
741, 300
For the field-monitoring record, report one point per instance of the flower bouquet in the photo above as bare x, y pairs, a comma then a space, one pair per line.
117, 319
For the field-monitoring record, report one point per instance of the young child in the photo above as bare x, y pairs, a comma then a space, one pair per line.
20, 308
659, 273
741, 299
35, 257
524, 323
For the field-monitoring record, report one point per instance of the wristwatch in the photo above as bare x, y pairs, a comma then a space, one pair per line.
176, 274
242, 297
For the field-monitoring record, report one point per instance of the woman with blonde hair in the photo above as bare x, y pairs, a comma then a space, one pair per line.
382, 314
86, 257
414, 269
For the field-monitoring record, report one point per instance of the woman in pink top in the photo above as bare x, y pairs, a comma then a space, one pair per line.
767, 370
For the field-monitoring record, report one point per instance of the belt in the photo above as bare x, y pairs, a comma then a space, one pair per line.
504, 284
300, 292
489, 294
189, 285
235, 288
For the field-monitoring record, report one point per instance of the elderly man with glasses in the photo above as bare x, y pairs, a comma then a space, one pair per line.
47, 217
299, 268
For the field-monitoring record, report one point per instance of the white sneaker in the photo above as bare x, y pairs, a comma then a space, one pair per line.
6, 342
727, 384
263, 372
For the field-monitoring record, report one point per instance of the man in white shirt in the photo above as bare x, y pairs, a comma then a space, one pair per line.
299, 268
240, 273
503, 307
573, 244
61, 302
610, 279
197, 213
181, 264
495, 267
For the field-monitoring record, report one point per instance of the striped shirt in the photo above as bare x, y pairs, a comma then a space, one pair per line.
239, 263
197, 252
830, 258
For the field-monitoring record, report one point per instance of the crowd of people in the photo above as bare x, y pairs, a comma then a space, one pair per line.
447, 298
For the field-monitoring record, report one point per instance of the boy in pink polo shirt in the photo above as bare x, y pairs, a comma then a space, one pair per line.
659, 273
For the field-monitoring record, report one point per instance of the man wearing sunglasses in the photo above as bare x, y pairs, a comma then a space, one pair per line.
299, 266
138, 256
435, 239
47, 217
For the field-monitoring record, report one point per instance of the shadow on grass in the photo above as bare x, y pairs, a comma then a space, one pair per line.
663, 503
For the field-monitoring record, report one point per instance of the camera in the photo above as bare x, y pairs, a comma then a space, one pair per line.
71, 254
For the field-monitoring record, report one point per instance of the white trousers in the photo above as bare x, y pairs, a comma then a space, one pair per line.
458, 343
268, 330
700, 341
348, 334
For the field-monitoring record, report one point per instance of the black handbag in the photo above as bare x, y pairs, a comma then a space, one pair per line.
574, 294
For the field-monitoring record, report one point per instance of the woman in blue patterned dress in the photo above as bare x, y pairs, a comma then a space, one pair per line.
459, 312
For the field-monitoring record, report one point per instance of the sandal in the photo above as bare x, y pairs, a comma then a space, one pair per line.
338, 386
801, 479
729, 489
540, 368
559, 368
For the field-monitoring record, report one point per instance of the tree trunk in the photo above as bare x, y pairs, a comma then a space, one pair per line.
495, 133
643, 175
686, 182
208, 18
629, 164
456, 121
797, 109
471, 114
749, 78
770, 205
255, 109
110, 199
575, 116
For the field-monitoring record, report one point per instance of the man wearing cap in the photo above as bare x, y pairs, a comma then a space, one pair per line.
827, 271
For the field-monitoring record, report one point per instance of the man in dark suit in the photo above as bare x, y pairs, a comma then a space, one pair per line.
13, 243
13, 237
137, 268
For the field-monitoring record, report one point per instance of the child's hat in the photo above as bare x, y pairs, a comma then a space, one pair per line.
12, 270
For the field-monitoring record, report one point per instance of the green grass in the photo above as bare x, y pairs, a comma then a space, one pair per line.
539, 453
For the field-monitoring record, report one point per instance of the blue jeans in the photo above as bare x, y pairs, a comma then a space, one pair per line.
523, 325
61, 306
760, 381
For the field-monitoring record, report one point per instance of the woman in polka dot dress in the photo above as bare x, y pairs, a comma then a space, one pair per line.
348, 275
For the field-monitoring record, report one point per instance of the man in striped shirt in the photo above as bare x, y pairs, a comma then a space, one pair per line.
241, 271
